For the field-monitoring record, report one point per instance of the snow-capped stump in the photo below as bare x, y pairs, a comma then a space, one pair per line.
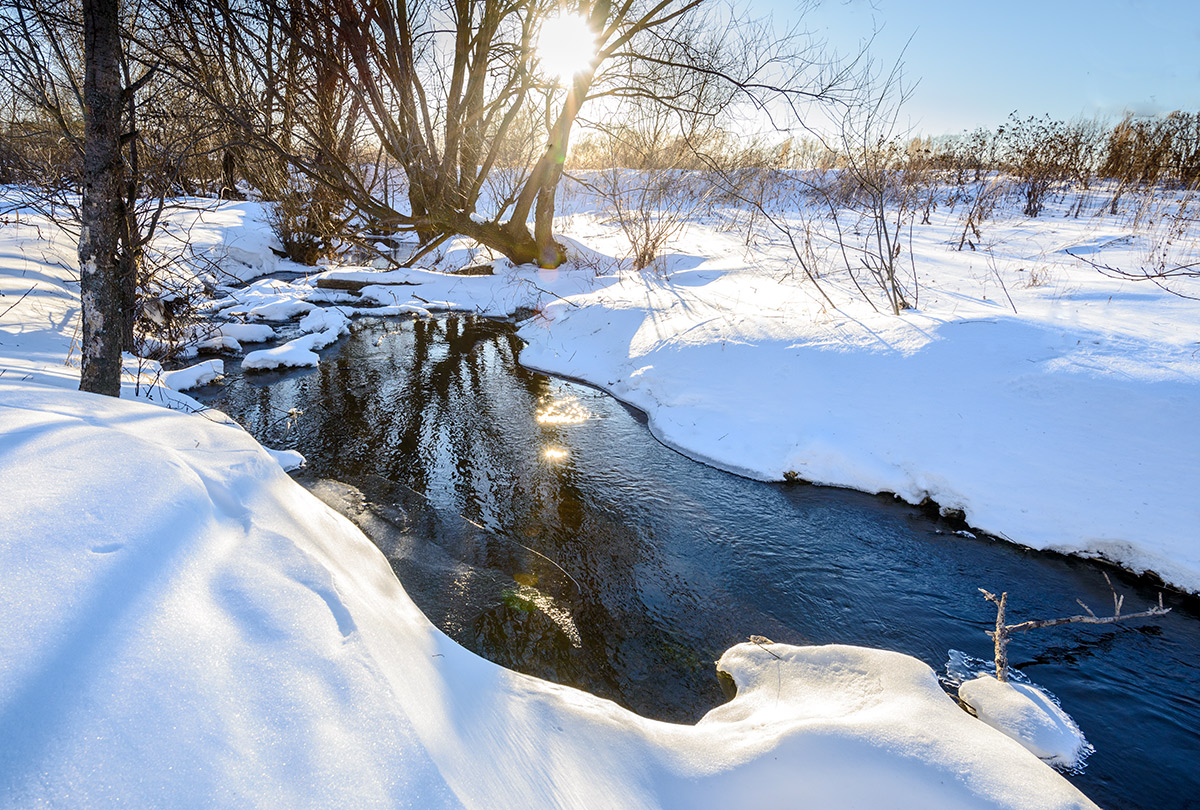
194, 376
1029, 716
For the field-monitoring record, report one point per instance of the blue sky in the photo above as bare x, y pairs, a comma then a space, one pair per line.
978, 61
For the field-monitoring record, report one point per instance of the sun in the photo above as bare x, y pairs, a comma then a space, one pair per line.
566, 45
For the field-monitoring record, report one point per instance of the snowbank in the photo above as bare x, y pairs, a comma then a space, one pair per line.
187, 627
226, 241
1029, 716
1049, 404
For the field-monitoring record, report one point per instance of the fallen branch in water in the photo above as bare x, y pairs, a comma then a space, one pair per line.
1002, 632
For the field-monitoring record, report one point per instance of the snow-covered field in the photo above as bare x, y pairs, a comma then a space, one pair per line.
185, 626
1051, 404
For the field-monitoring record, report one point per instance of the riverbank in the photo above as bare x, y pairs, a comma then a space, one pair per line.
1025, 392
186, 626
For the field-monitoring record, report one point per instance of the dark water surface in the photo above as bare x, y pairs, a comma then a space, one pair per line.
579, 549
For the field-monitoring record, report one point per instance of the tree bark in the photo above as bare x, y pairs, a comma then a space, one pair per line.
101, 213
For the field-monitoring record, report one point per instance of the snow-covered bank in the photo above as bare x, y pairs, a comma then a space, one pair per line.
187, 627
1054, 406
1065, 432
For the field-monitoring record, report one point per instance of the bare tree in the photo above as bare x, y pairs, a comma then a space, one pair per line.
876, 185
102, 214
1003, 631
642, 170
42, 48
443, 88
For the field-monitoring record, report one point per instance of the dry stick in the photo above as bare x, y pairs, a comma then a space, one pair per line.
996, 273
19, 300
1158, 277
1002, 632
913, 261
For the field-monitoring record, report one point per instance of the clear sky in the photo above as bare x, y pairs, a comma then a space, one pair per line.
978, 60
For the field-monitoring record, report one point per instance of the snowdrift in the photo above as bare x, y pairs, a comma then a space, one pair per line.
187, 627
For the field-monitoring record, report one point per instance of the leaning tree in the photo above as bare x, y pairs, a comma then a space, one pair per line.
446, 96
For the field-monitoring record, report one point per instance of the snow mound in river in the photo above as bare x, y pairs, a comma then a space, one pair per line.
1028, 715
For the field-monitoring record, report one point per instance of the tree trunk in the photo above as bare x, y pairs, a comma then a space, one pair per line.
229, 189
101, 215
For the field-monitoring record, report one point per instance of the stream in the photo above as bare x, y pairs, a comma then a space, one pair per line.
538, 523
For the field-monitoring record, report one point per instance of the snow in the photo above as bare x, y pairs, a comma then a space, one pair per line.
194, 376
247, 332
325, 320
322, 327
226, 241
1028, 715
185, 626
297, 353
287, 459
1051, 404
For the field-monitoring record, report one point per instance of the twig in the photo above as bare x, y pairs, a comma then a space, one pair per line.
19, 300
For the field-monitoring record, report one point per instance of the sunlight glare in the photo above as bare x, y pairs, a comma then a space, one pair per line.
554, 454
566, 45
566, 411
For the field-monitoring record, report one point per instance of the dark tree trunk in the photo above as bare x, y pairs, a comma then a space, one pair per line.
129, 248
229, 189
102, 216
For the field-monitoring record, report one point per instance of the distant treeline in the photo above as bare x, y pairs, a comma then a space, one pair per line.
1133, 151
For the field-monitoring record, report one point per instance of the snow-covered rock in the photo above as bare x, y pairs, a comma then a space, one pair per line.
194, 376
246, 332
297, 353
323, 325
1028, 715
288, 459
325, 319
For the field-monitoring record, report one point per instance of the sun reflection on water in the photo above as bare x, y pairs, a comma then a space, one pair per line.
566, 411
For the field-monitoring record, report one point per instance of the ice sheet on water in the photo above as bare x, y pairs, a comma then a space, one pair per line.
961, 667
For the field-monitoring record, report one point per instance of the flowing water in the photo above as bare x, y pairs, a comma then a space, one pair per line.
538, 523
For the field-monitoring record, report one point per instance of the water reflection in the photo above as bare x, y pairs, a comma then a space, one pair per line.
536, 522
565, 411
